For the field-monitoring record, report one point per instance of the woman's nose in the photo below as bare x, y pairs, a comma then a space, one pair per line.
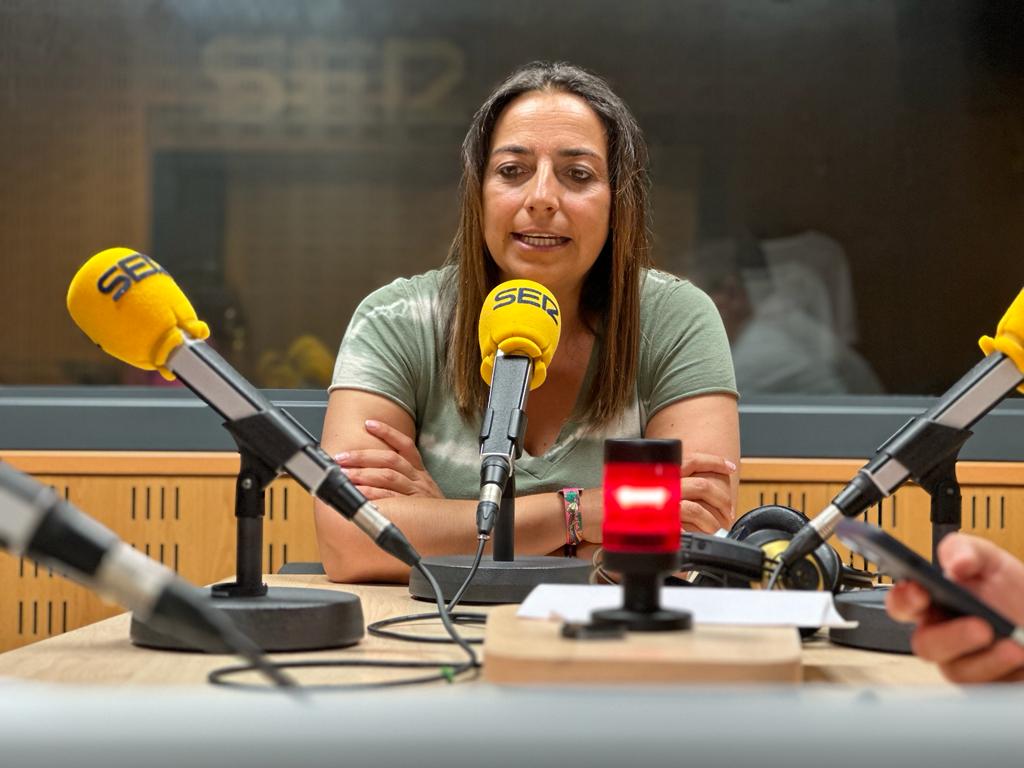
542, 194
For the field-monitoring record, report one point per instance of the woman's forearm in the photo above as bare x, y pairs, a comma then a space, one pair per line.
435, 527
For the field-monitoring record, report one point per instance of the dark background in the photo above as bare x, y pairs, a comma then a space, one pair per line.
282, 159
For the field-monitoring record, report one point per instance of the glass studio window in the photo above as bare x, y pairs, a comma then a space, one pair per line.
845, 179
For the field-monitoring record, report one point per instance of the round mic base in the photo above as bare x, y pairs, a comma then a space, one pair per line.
497, 581
876, 630
661, 620
282, 620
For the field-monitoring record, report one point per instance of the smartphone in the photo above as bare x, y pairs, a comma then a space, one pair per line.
895, 559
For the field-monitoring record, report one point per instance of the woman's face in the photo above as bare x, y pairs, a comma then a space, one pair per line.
546, 193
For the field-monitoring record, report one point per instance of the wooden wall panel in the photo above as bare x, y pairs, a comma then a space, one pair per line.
288, 531
996, 513
179, 508
37, 603
186, 522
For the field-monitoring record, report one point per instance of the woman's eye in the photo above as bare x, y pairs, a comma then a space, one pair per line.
580, 174
509, 171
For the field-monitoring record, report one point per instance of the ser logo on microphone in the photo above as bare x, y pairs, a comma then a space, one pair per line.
530, 296
126, 272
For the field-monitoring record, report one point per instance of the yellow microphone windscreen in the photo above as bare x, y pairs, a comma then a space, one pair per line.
1009, 337
519, 317
132, 308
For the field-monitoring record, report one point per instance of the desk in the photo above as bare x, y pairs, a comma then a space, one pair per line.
130, 706
101, 653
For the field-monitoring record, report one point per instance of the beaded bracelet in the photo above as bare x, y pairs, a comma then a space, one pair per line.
573, 519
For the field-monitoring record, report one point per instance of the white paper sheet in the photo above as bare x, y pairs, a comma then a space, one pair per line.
709, 605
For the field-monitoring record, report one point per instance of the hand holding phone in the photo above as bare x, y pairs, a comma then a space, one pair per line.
899, 561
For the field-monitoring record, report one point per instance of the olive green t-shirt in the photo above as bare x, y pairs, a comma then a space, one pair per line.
393, 348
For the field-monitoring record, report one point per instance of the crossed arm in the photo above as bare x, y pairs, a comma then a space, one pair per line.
374, 441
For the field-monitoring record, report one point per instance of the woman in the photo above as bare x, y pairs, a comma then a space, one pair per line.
554, 189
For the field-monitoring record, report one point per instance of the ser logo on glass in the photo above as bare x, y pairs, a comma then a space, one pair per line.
524, 295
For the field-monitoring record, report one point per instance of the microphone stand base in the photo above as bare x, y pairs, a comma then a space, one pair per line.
281, 620
497, 581
876, 631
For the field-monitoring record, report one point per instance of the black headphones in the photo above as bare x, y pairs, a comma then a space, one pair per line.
746, 556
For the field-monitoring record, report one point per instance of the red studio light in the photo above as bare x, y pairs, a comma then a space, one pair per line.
641, 496
641, 531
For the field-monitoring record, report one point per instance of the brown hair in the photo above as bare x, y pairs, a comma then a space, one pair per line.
610, 300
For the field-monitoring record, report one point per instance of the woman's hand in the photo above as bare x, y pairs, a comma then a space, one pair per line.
707, 492
963, 647
709, 427
394, 471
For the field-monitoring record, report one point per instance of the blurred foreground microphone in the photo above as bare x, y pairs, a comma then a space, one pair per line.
132, 308
37, 523
519, 329
927, 440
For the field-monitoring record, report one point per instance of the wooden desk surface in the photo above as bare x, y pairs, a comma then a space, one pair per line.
102, 654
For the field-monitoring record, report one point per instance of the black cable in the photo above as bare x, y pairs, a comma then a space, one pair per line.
243, 645
377, 628
481, 543
446, 670
776, 572
442, 609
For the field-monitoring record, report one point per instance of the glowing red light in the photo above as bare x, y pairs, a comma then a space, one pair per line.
641, 505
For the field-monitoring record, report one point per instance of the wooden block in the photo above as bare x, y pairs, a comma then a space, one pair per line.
528, 651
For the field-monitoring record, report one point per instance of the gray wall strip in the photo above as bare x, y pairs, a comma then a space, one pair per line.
154, 419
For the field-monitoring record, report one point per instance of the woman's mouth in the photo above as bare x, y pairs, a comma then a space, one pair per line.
535, 240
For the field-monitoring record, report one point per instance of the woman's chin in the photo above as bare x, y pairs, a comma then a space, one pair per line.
525, 269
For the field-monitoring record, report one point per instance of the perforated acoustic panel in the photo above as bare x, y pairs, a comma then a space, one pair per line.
185, 521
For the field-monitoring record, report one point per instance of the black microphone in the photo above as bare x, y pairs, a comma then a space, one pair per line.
925, 441
37, 523
518, 332
519, 329
128, 305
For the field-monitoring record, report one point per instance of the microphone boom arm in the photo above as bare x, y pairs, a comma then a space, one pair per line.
273, 436
915, 450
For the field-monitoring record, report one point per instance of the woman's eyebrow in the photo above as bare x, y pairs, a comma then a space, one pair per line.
514, 149
518, 149
579, 152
